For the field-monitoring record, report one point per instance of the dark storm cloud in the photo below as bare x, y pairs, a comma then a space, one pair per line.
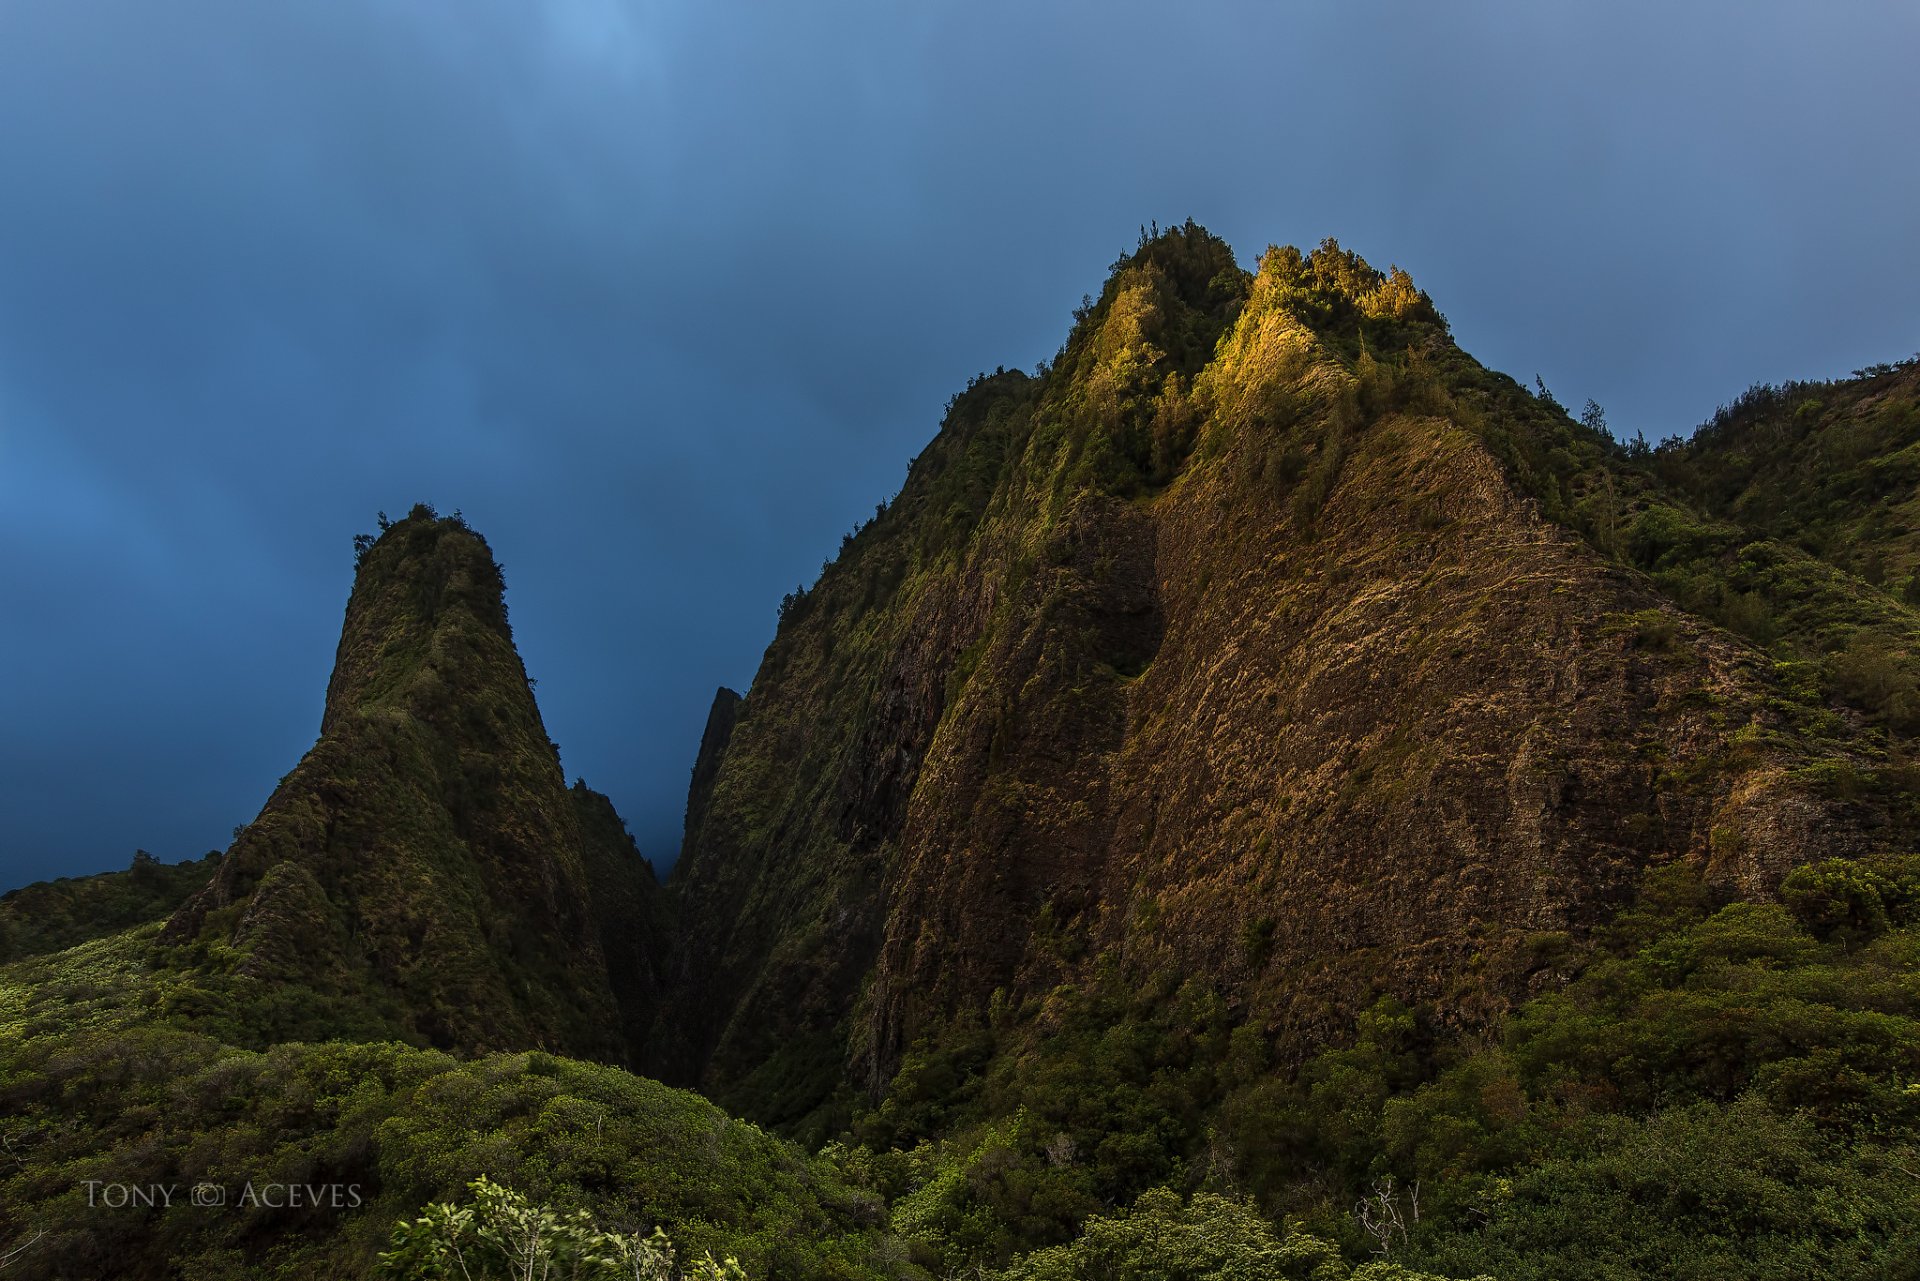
665, 296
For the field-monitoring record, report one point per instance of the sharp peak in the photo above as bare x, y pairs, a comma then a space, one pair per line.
424, 576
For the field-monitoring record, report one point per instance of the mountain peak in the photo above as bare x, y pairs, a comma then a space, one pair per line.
426, 592
1154, 647
1331, 283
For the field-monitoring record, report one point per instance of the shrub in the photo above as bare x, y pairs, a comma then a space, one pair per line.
502, 1236
1210, 1238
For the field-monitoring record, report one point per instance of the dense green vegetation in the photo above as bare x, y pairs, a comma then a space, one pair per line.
1828, 466
1723, 1090
94, 1085
50, 916
1208, 1237
1726, 1090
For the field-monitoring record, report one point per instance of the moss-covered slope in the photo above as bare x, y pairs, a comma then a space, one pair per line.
424, 872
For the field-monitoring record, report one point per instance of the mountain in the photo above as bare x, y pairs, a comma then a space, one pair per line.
1266, 639
424, 872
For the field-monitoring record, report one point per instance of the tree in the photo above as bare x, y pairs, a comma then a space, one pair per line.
1594, 418
1386, 1212
1842, 899
146, 871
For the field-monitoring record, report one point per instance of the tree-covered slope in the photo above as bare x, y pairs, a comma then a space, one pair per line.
1832, 467
51, 916
100, 1086
1716, 1090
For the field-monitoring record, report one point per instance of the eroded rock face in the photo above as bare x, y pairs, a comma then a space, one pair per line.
1379, 756
423, 872
1218, 651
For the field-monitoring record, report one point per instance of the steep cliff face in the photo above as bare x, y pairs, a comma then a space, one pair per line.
1263, 637
424, 871
721, 718
776, 897
623, 897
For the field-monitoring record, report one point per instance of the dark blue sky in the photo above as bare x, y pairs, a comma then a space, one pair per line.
665, 295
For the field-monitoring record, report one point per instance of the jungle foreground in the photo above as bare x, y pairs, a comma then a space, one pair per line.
1269, 798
